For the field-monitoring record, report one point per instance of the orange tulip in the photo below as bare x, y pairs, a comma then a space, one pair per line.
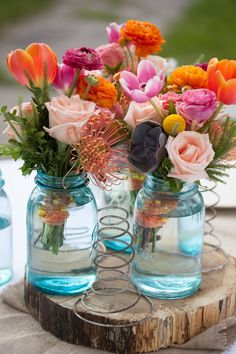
31, 63
222, 79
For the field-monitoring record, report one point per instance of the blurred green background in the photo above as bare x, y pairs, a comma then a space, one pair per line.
206, 27
199, 27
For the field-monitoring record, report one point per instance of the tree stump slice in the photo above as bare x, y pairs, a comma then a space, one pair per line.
173, 321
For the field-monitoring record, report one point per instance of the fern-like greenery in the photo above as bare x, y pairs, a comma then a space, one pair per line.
223, 140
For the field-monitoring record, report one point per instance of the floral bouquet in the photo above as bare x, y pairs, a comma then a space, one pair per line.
74, 132
180, 131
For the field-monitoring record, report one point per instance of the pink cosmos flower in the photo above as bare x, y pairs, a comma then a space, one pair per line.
197, 105
64, 77
190, 152
147, 84
113, 32
111, 54
82, 58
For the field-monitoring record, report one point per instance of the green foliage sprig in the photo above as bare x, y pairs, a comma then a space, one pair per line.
33, 145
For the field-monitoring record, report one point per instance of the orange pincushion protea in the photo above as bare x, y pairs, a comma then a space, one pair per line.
97, 155
144, 35
187, 76
104, 94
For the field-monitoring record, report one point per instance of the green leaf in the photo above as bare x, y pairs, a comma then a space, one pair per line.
4, 109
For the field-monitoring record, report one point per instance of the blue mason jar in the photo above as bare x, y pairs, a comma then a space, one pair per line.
61, 229
5, 236
168, 239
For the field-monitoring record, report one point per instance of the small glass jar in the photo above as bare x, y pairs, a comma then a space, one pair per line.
168, 239
5, 236
61, 228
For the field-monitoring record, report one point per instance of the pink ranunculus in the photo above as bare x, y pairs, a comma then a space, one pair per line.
143, 112
113, 32
147, 84
25, 110
67, 116
197, 106
170, 96
82, 58
190, 152
111, 54
64, 77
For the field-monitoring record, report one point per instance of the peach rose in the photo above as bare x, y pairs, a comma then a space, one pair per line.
67, 116
143, 112
190, 153
26, 110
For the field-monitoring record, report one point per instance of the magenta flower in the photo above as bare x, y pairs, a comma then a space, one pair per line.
197, 106
113, 32
147, 84
82, 58
202, 65
64, 77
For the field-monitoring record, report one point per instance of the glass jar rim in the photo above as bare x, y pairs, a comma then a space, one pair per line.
159, 185
61, 182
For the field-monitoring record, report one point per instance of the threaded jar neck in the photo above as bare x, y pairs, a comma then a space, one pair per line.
69, 182
154, 184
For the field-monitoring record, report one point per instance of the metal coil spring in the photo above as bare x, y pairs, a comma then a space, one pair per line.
210, 231
113, 267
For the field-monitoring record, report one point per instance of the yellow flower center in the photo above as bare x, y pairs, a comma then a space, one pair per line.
174, 124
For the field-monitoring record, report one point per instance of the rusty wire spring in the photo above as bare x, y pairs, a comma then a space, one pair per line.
113, 269
212, 246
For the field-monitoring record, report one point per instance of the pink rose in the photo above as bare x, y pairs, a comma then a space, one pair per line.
170, 96
67, 116
25, 110
143, 112
190, 153
197, 106
111, 54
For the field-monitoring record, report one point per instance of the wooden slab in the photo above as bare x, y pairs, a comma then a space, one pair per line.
173, 321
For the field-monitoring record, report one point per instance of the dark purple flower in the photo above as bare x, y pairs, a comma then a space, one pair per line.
82, 58
202, 65
147, 146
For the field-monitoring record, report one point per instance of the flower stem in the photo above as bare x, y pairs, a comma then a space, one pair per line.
153, 241
87, 91
157, 109
74, 82
131, 59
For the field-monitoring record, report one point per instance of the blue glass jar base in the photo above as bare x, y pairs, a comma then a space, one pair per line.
167, 287
61, 285
5, 275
